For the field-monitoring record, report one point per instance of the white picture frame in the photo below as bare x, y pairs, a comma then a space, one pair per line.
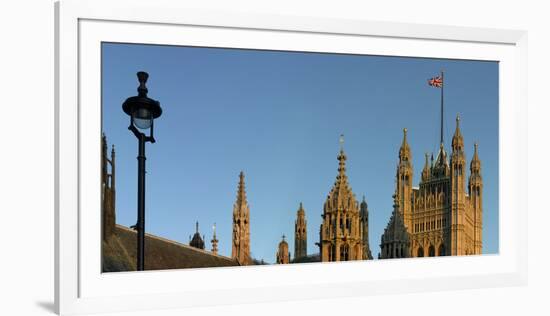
80, 28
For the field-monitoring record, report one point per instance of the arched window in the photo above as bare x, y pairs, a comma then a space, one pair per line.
420, 252
332, 253
441, 250
344, 252
431, 251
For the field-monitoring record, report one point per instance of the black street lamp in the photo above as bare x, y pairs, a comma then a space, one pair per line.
142, 111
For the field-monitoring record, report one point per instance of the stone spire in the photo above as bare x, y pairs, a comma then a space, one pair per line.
426, 170
441, 167
475, 164
340, 233
405, 149
404, 177
458, 193
241, 226
197, 241
241, 192
395, 241
300, 233
458, 140
214, 240
475, 191
108, 195
364, 219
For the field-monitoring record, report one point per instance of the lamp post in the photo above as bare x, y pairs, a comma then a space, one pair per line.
142, 111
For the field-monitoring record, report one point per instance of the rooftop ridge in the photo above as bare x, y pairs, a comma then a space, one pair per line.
176, 243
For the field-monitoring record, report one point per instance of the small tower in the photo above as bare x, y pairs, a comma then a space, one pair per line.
197, 241
214, 240
283, 255
458, 197
300, 234
108, 193
404, 180
395, 241
364, 219
475, 191
426, 172
341, 232
241, 226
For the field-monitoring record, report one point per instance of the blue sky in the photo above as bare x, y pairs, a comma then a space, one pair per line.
278, 116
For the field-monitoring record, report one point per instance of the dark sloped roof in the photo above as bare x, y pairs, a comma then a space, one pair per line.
119, 253
307, 259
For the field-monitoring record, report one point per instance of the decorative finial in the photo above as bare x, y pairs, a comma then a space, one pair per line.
214, 229
197, 226
284, 237
341, 141
142, 78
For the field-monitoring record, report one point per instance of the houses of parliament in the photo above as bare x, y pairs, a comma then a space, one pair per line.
441, 216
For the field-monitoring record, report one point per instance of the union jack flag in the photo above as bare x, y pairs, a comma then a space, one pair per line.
436, 82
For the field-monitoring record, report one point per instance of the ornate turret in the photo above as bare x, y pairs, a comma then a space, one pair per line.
426, 172
341, 232
241, 226
458, 193
404, 178
283, 255
475, 191
364, 218
475, 164
395, 241
300, 234
197, 241
458, 140
404, 150
214, 240
108, 193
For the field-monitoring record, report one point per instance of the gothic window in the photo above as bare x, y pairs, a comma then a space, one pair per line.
442, 250
431, 251
332, 253
344, 252
420, 252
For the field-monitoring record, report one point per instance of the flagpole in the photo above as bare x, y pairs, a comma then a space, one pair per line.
442, 87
